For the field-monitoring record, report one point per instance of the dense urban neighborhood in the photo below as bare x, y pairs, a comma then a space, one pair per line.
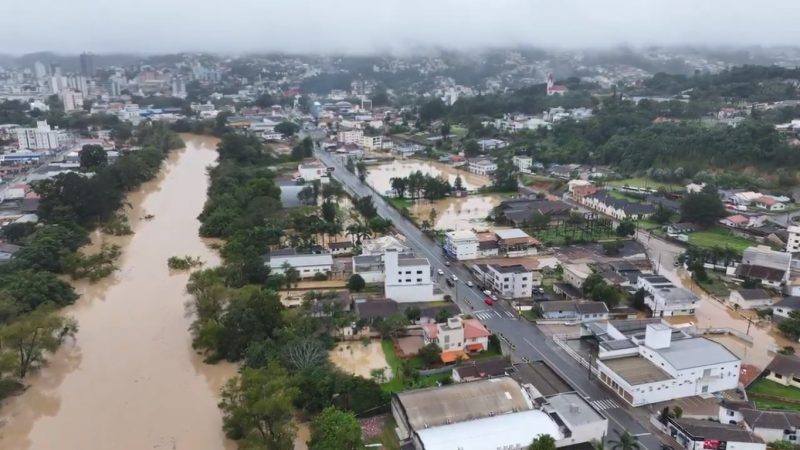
510, 249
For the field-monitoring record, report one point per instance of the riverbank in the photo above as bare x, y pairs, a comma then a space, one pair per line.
131, 379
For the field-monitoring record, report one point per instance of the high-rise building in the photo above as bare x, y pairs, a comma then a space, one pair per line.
73, 100
40, 138
87, 64
39, 70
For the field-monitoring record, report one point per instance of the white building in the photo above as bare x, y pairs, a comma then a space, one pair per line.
793, 244
312, 170
523, 163
697, 434
664, 298
510, 281
370, 268
350, 136
762, 263
40, 138
661, 364
461, 245
408, 277
750, 298
72, 100
783, 308
483, 167
371, 142
457, 335
307, 264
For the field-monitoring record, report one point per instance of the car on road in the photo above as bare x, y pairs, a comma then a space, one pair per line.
494, 297
487, 292
455, 278
447, 263
488, 301
450, 282
470, 284
440, 272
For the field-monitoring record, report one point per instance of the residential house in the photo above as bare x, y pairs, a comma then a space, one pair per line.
369, 267
784, 369
368, 310
764, 264
483, 167
515, 242
769, 203
646, 361
697, 434
784, 307
491, 144
457, 338
7, 252
620, 209
750, 298
581, 188
306, 264
772, 426
581, 311
735, 221
793, 241
664, 298
479, 370
576, 273
681, 228
520, 211
408, 277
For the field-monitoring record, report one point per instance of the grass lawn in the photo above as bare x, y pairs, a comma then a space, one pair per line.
719, 237
388, 438
649, 225
768, 387
645, 183
556, 237
531, 179
717, 286
400, 203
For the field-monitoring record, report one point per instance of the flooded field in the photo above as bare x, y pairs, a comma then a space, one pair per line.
453, 213
132, 380
380, 176
359, 359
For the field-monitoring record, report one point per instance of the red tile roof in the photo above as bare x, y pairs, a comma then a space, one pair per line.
474, 329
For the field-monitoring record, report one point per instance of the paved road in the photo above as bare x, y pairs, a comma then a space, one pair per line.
528, 341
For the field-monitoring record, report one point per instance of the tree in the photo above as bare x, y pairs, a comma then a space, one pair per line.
458, 184
291, 274
92, 157
538, 221
389, 326
505, 177
286, 128
543, 442
257, 408
471, 148
305, 353
702, 208
626, 228
624, 441
361, 167
662, 215
334, 429
443, 315
34, 334
430, 354
356, 283
791, 326
413, 313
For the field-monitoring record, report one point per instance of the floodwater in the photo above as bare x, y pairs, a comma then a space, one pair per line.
380, 176
458, 213
714, 314
131, 379
359, 359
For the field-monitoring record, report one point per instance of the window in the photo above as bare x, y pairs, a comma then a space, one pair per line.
419, 272
704, 390
408, 272
730, 413
400, 272
524, 278
419, 280
777, 375
505, 279
408, 280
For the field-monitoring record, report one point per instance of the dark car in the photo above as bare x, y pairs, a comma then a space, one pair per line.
450, 282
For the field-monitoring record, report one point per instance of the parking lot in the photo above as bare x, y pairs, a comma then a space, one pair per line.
552, 329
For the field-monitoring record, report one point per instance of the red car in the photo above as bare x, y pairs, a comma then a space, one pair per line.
489, 301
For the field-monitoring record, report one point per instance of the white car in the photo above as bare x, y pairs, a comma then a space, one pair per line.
440, 272
488, 292
494, 297
455, 278
469, 283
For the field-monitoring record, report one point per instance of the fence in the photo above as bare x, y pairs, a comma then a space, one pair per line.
561, 341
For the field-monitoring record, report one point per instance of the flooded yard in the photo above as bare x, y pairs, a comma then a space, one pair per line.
359, 359
464, 213
380, 176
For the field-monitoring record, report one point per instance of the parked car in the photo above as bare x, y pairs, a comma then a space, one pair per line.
450, 282
494, 297
455, 278
470, 284
447, 263
488, 301
487, 292
440, 272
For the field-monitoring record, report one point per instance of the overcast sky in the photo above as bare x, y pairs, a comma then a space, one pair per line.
359, 26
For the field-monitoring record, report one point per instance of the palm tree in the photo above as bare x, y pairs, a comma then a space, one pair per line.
625, 441
543, 442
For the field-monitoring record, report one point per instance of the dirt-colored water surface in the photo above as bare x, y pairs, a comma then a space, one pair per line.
131, 379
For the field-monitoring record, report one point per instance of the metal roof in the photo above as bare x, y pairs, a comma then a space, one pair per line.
696, 352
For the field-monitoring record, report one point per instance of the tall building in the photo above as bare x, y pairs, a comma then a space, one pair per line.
39, 70
793, 244
178, 87
73, 100
87, 64
40, 138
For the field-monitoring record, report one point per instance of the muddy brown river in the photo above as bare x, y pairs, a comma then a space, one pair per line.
131, 379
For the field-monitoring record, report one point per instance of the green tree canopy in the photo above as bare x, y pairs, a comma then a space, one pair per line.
334, 429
